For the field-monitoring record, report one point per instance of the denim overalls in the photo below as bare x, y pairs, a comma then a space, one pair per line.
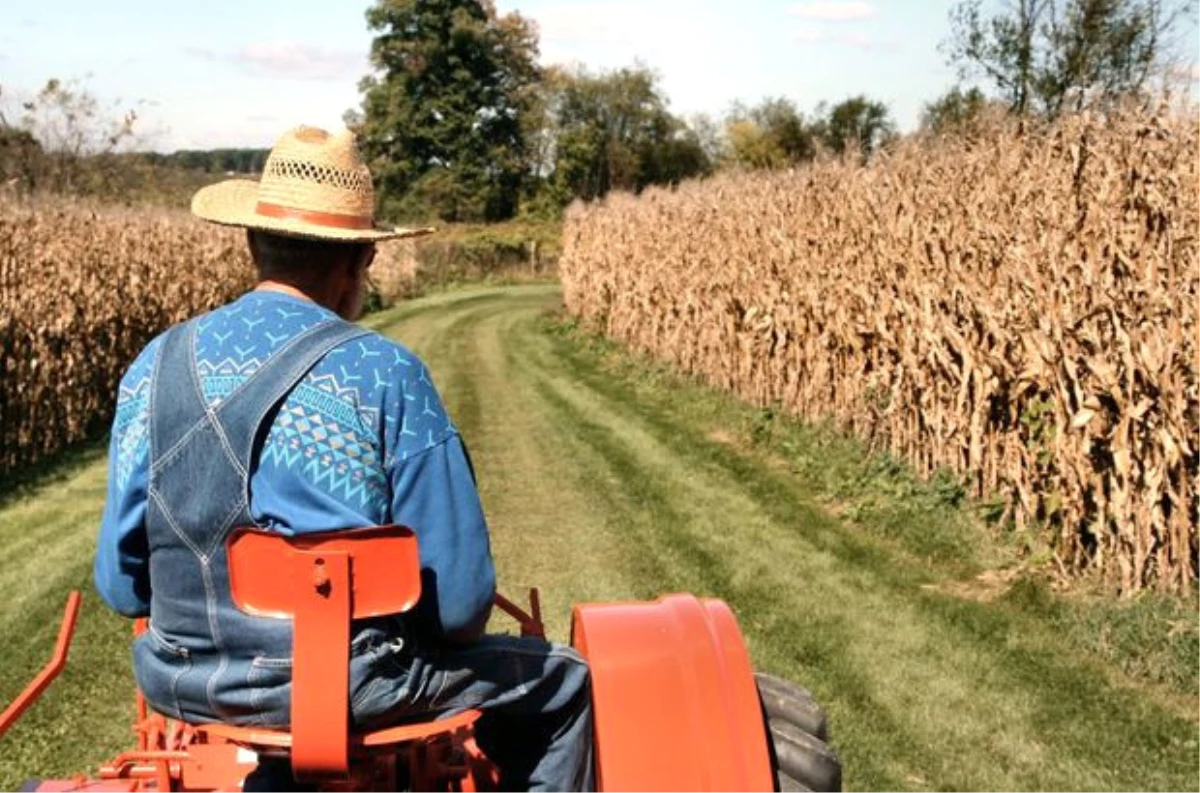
201, 658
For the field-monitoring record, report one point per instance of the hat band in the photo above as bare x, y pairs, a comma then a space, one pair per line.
327, 219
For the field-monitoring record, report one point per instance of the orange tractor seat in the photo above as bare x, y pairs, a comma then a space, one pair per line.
322, 582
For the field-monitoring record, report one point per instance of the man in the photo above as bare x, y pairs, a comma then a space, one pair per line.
276, 411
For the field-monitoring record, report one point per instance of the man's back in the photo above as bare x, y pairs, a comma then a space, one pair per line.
360, 439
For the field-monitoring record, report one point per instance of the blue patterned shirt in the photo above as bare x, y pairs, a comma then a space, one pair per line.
362, 440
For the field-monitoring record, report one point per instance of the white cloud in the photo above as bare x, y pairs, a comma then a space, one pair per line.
605, 35
299, 61
698, 49
835, 10
596, 23
289, 60
202, 53
855, 39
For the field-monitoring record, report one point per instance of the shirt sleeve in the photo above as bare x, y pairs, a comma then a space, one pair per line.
433, 492
122, 566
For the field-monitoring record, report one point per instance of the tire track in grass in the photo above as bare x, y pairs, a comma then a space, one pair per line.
543, 532
672, 558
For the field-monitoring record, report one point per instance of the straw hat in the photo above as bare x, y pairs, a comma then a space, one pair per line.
314, 185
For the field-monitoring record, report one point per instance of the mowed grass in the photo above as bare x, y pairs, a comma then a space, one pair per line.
605, 477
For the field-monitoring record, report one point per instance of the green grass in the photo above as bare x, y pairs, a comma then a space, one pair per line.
943, 662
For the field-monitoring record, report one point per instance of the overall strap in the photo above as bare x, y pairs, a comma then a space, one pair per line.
177, 404
178, 407
241, 415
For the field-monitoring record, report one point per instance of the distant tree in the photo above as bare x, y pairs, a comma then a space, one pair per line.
66, 138
786, 127
674, 154
857, 123
443, 118
612, 131
244, 161
1049, 56
771, 134
20, 154
954, 110
751, 146
709, 135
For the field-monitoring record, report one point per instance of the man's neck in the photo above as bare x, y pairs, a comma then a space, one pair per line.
267, 285
326, 298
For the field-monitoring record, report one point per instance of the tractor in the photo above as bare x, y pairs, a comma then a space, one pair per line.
677, 705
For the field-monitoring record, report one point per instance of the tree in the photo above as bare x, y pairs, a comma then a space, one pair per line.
20, 154
709, 135
954, 110
66, 139
443, 113
1048, 56
855, 123
772, 134
612, 131
751, 146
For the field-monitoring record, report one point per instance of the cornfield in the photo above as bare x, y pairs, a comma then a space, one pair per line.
1016, 305
83, 288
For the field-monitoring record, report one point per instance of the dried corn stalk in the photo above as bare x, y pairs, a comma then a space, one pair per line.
1020, 306
82, 289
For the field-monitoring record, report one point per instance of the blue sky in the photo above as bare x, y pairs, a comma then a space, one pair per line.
238, 73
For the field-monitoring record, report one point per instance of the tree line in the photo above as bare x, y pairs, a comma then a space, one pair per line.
65, 141
215, 161
459, 122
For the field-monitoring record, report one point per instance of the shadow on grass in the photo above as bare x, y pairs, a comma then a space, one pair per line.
56, 469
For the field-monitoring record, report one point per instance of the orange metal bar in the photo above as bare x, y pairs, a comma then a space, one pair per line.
143, 710
531, 624
127, 763
50, 671
321, 670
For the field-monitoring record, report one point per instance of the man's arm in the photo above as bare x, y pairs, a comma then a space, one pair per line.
434, 494
122, 565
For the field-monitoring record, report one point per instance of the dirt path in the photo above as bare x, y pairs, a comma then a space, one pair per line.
600, 488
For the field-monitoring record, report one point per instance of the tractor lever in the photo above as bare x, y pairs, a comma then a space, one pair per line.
531, 624
49, 671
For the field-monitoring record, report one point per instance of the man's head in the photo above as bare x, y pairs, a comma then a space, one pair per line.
310, 218
333, 274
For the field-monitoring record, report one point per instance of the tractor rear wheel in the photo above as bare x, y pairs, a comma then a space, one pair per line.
798, 729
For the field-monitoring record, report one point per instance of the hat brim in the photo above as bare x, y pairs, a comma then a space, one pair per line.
232, 203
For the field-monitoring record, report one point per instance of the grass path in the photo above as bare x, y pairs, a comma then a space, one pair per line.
602, 482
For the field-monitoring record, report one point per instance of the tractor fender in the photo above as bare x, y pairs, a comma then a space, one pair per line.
675, 703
